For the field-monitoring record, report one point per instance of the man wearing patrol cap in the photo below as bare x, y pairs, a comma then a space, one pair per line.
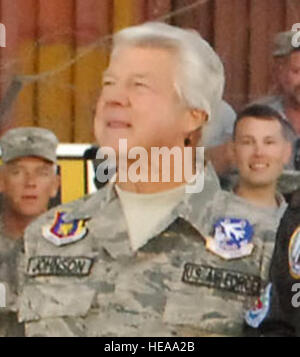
28, 176
287, 77
27, 182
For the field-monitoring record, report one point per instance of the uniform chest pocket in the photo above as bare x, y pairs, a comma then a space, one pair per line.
56, 287
48, 301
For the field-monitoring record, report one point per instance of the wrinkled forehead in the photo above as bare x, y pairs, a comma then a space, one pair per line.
152, 49
161, 43
140, 61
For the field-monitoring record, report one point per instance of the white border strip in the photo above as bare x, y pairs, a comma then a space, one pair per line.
72, 150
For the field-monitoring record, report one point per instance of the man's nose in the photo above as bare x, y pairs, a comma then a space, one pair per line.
258, 149
116, 95
30, 180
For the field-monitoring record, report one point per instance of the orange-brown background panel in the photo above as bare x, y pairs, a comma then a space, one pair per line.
92, 22
44, 36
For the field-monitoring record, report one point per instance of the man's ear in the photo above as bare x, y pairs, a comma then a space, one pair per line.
231, 151
196, 119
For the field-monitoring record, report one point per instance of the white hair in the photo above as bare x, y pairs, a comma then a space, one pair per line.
200, 81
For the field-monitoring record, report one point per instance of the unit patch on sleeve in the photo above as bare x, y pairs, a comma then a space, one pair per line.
232, 238
211, 277
294, 254
61, 232
256, 316
59, 266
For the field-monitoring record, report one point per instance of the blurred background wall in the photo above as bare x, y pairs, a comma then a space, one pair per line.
50, 69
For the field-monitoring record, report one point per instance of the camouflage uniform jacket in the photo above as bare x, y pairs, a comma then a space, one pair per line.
171, 286
11, 260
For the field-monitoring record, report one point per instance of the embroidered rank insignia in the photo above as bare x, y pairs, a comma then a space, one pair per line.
294, 254
59, 266
256, 316
61, 233
232, 238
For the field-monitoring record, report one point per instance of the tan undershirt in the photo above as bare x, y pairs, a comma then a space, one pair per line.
144, 212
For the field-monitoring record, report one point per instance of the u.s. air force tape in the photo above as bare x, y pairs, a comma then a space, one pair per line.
217, 278
59, 266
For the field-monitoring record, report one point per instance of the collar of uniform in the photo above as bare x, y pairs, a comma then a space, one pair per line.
187, 209
193, 206
190, 208
278, 211
96, 201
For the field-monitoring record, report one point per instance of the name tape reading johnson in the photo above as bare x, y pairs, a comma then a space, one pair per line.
59, 266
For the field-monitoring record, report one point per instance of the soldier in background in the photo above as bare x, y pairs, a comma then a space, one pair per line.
247, 217
277, 311
287, 73
27, 182
130, 260
286, 99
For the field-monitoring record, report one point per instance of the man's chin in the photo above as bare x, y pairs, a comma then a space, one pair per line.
255, 184
31, 213
113, 143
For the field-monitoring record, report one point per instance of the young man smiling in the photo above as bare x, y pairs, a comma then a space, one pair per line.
249, 215
261, 148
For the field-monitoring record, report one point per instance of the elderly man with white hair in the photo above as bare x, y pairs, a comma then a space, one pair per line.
130, 260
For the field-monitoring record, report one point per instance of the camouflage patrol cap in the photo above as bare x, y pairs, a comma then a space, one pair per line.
29, 141
282, 44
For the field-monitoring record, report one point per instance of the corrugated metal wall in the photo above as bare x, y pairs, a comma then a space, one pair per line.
59, 48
